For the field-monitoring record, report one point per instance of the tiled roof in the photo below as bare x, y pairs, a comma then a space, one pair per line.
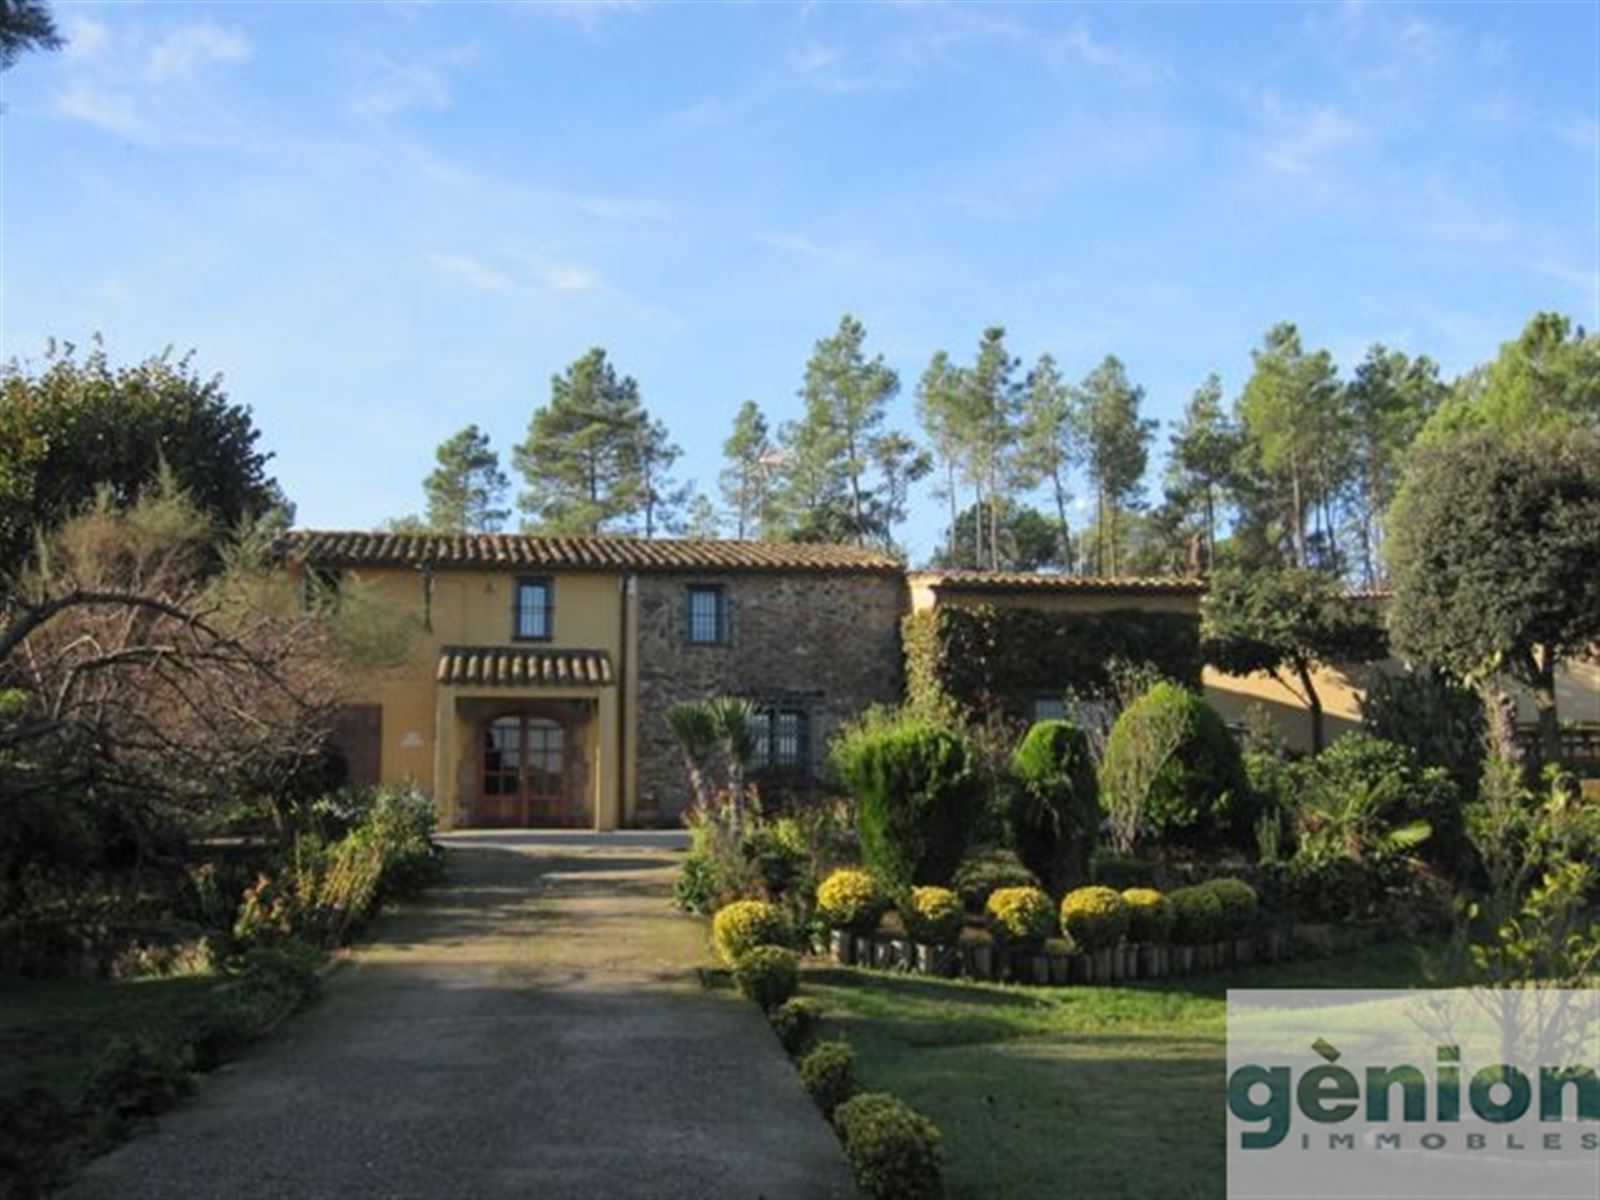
1025, 581
515, 551
517, 666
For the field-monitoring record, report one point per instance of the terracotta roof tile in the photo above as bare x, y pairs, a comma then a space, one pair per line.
519, 666
1024, 581
518, 551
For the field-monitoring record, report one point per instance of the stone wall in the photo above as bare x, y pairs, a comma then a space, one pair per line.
826, 644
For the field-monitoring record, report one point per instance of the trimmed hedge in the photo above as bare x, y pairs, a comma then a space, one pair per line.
894, 1151
745, 924
1054, 810
851, 899
796, 1022
827, 1072
981, 874
1197, 916
1238, 906
769, 975
1022, 916
933, 915
1150, 916
1095, 918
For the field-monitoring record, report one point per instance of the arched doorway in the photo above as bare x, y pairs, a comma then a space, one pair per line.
524, 777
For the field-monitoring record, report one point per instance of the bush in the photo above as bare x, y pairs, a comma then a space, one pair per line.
769, 975
796, 1022
1055, 803
138, 1075
1368, 799
1022, 916
776, 856
933, 915
1197, 916
1173, 771
852, 900
1120, 871
1238, 903
894, 1151
978, 877
918, 794
1150, 916
1095, 918
745, 924
827, 1072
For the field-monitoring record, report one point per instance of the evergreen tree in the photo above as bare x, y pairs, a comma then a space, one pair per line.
1204, 448
662, 503
746, 480
1118, 446
25, 25
466, 491
988, 427
899, 463
940, 399
1051, 443
702, 520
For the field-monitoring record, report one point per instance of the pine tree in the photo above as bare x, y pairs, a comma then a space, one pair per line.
940, 398
988, 428
1051, 443
466, 491
1204, 448
746, 480
1118, 443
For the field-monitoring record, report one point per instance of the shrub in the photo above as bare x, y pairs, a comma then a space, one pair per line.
796, 1022
979, 876
776, 856
1095, 918
1055, 803
1172, 770
1367, 799
827, 1072
138, 1075
1238, 901
894, 1151
1197, 916
918, 795
933, 915
769, 975
1120, 871
1022, 916
745, 924
852, 900
1150, 916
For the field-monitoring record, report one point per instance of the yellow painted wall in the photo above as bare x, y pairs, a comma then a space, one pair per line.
924, 596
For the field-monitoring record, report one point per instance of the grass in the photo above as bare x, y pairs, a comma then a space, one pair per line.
1104, 1092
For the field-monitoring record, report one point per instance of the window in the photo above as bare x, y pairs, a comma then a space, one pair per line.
532, 611
780, 737
1049, 708
708, 615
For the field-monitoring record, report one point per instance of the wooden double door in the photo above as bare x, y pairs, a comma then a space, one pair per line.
525, 773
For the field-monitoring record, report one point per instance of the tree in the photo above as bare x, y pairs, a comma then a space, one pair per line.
1204, 447
746, 481
584, 456
662, 502
988, 428
80, 427
466, 490
1549, 376
1118, 441
899, 463
1494, 557
701, 518
940, 394
1291, 414
1027, 541
25, 25
1052, 442
1388, 400
1287, 624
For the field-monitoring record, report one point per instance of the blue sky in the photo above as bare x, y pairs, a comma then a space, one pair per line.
380, 222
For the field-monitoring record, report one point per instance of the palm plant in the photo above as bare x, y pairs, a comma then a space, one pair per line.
696, 726
733, 722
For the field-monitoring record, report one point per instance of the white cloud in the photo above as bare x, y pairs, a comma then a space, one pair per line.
86, 39
472, 271
572, 278
402, 89
1303, 141
112, 111
187, 50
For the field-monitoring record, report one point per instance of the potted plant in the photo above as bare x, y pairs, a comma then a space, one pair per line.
933, 918
1096, 918
851, 903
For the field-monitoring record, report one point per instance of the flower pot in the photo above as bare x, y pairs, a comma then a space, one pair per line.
1146, 957
1039, 967
1244, 952
925, 958
1185, 960
843, 946
1130, 960
1060, 968
1078, 969
1105, 966
980, 962
893, 954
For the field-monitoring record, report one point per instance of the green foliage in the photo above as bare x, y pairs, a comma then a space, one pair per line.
1117, 449
1022, 916
26, 25
769, 975
851, 899
745, 924
986, 658
138, 1076
1026, 539
467, 489
796, 1022
1150, 916
1239, 903
827, 1073
1371, 801
1548, 378
933, 915
981, 874
1055, 805
1095, 918
895, 1153
1196, 916
1440, 719
917, 792
1195, 793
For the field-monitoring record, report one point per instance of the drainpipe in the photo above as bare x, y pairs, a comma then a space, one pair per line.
626, 585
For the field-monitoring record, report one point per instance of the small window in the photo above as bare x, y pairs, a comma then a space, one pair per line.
780, 737
708, 615
1049, 708
532, 613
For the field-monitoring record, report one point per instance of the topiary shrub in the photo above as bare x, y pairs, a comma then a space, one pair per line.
851, 899
796, 1022
1197, 916
745, 924
1095, 918
769, 975
1022, 916
895, 1152
1150, 916
979, 876
933, 915
827, 1072
918, 795
1172, 771
1054, 814
1238, 906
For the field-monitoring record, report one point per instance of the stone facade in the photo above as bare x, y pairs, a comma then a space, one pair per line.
826, 645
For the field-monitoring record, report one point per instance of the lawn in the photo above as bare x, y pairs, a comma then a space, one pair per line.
1093, 1092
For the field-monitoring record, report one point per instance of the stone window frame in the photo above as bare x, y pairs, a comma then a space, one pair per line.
724, 617
548, 608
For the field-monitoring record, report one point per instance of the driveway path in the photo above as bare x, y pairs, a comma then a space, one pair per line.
534, 1029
